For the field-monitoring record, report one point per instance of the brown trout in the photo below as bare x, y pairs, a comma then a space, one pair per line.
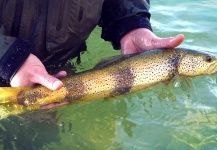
120, 75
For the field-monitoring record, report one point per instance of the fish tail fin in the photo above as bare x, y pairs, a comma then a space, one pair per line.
9, 94
9, 101
10, 109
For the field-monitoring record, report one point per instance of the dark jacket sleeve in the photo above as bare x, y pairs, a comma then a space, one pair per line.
121, 16
13, 55
13, 52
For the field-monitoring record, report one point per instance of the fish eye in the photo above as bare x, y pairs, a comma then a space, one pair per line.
208, 58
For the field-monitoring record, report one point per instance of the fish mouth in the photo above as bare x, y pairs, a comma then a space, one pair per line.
213, 68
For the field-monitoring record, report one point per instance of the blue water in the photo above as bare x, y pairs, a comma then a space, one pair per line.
182, 115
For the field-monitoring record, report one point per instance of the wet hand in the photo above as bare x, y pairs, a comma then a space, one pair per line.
33, 72
142, 39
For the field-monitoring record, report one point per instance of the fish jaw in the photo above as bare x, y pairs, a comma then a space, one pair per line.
213, 68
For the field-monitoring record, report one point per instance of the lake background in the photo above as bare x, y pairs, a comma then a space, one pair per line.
182, 115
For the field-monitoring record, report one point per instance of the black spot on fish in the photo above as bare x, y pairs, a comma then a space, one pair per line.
76, 90
124, 81
27, 98
120, 91
174, 61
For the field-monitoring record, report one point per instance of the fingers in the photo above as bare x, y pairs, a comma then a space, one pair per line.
53, 105
140, 40
170, 42
52, 82
47, 80
33, 72
147, 40
39, 76
61, 74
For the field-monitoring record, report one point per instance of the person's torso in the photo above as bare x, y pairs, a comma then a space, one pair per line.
55, 27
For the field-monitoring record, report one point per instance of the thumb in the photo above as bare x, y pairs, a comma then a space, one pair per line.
170, 42
49, 81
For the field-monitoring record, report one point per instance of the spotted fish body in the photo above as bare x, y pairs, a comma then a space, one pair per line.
122, 75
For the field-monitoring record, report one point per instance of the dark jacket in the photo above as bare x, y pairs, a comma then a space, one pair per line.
56, 30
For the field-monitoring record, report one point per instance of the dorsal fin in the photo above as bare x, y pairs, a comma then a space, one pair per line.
110, 60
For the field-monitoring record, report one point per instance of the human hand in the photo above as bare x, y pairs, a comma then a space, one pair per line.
142, 39
33, 72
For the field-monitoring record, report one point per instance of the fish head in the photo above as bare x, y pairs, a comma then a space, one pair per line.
194, 63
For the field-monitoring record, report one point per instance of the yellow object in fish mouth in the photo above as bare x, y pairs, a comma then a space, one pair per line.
119, 75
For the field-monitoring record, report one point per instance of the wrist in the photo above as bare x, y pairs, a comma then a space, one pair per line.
122, 27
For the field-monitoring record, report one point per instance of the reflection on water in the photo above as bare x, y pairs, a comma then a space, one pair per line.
182, 115
24, 132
